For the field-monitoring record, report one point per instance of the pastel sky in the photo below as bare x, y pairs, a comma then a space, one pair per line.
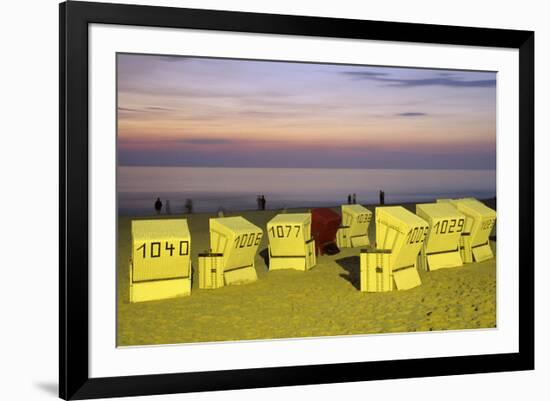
187, 111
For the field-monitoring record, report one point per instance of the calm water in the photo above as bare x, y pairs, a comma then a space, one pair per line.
237, 188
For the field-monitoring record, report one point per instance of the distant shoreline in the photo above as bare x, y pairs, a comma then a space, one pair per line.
490, 202
237, 188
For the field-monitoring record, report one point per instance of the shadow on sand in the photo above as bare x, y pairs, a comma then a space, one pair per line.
351, 265
264, 254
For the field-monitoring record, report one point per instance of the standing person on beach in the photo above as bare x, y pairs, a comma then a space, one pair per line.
349, 199
189, 205
354, 201
158, 205
263, 202
382, 195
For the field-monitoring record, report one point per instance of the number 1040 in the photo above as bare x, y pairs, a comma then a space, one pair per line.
156, 249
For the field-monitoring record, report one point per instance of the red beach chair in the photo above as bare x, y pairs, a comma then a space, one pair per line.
324, 225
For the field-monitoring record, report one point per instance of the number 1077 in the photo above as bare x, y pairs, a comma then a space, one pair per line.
285, 231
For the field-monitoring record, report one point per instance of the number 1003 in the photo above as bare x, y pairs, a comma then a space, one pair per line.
416, 235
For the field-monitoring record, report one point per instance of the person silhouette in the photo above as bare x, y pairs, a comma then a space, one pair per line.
158, 206
382, 196
354, 201
349, 199
189, 205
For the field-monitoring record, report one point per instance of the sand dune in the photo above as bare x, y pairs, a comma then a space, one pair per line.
324, 301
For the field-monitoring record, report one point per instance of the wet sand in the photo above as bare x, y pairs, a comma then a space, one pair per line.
324, 301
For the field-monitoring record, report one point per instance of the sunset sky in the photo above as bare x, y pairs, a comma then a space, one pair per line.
181, 111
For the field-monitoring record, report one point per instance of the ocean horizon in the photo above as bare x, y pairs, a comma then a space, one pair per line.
237, 189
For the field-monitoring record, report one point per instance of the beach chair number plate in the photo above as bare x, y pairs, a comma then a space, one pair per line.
364, 218
416, 235
155, 249
248, 240
284, 231
449, 226
488, 224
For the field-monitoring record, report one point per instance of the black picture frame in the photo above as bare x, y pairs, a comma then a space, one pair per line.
74, 379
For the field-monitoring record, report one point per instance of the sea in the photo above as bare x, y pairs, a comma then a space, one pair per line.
235, 189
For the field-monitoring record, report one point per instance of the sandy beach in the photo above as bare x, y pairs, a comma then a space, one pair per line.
324, 301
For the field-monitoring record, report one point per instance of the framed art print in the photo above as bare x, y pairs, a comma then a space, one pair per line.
255, 200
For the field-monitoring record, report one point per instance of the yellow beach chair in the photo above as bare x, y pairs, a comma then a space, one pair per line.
403, 233
160, 265
211, 270
480, 220
442, 246
291, 245
355, 227
238, 241
376, 275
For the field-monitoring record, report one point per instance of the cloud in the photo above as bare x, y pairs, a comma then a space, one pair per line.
364, 74
206, 141
441, 79
177, 143
135, 86
411, 114
148, 108
448, 82
156, 108
173, 143
291, 111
